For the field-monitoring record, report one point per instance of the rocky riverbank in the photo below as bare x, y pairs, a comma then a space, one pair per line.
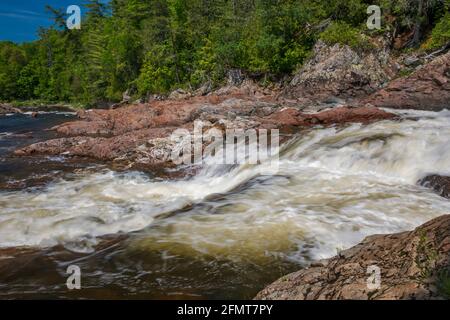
140, 133
413, 265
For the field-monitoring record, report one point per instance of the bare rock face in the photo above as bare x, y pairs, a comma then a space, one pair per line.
413, 265
439, 184
101, 148
426, 89
342, 72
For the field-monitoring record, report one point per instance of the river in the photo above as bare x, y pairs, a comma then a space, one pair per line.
223, 233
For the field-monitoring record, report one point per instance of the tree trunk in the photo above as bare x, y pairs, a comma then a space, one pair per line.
418, 25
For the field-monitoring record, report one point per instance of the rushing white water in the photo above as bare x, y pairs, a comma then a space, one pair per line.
333, 188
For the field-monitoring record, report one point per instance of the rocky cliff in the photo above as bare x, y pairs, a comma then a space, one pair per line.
428, 88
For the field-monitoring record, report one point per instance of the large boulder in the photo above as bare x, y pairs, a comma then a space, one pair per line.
412, 265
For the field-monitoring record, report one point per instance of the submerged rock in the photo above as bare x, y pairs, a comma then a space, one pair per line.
439, 184
412, 265
340, 71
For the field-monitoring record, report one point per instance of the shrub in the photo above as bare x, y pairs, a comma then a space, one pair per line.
343, 33
441, 33
158, 72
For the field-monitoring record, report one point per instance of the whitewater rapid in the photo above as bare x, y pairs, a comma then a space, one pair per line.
333, 188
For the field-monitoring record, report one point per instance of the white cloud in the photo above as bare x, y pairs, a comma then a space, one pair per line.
24, 14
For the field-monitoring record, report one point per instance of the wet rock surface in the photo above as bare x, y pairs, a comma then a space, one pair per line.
340, 115
439, 184
413, 265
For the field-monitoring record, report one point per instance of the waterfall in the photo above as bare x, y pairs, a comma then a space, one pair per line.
334, 186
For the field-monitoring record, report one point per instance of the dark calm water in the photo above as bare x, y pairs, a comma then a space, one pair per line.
20, 130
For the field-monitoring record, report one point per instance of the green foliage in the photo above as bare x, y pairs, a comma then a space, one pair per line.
12, 60
443, 283
426, 256
406, 72
155, 46
158, 73
413, 16
207, 66
352, 12
441, 33
343, 33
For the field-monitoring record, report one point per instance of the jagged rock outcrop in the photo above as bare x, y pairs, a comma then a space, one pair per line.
413, 265
439, 184
340, 71
426, 89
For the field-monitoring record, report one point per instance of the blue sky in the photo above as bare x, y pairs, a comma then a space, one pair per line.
20, 19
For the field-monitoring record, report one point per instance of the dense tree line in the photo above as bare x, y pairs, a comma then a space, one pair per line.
153, 46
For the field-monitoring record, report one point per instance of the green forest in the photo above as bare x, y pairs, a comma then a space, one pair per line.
155, 46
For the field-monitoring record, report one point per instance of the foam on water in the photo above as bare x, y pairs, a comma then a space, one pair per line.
333, 188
